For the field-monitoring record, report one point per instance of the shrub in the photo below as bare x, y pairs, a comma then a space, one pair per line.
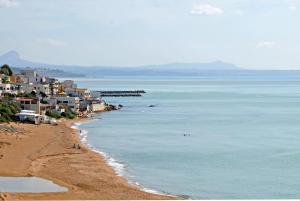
5, 69
53, 114
8, 111
69, 114
26, 95
43, 101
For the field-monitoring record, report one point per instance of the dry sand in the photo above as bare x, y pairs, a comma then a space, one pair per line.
47, 151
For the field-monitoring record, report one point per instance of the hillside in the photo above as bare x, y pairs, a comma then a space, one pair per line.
13, 59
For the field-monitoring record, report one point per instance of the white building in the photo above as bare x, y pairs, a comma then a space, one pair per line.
38, 88
32, 104
78, 92
28, 72
5, 88
32, 76
10, 88
97, 106
29, 115
54, 85
69, 84
71, 102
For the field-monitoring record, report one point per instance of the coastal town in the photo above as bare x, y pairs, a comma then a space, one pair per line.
29, 97
34, 144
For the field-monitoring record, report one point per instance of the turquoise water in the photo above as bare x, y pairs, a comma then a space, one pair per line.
28, 184
243, 135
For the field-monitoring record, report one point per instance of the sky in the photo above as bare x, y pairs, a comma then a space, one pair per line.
254, 34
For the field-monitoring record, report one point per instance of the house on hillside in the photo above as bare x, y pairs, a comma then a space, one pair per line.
32, 104
38, 88
32, 77
29, 116
92, 105
78, 92
53, 85
69, 84
18, 78
10, 88
71, 102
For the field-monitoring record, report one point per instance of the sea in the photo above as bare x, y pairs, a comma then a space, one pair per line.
206, 137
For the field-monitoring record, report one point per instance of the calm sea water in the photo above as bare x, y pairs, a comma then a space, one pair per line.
243, 135
28, 185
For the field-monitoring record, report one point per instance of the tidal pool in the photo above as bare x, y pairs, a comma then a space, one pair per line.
29, 184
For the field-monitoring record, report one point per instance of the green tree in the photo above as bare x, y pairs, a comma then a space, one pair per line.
69, 114
5, 69
33, 93
53, 113
8, 110
5, 79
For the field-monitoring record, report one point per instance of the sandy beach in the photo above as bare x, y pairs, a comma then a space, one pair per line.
47, 151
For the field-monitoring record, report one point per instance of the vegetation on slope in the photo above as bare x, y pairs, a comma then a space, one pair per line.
8, 111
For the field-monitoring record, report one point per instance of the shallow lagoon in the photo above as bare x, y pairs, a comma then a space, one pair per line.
28, 184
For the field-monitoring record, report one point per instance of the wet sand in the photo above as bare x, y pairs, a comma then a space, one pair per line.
47, 151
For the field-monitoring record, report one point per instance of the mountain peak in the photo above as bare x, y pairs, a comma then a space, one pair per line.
13, 59
11, 55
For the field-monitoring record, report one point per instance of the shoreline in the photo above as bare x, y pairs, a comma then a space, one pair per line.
46, 151
110, 161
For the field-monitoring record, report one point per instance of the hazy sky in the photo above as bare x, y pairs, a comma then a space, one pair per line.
249, 33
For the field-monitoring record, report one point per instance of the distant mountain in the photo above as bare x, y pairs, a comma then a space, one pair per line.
13, 59
56, 73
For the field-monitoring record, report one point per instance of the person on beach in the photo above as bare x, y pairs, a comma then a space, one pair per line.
78, 146
74, 146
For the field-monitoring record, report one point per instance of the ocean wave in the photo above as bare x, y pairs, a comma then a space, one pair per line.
148, 190
118, 167
76, 125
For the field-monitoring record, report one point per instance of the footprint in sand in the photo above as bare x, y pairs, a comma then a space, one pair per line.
2, 197
3, 144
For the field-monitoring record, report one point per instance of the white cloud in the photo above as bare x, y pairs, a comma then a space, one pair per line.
206, 9
240, 12
8, 3
292, 8
266, 44
51, 42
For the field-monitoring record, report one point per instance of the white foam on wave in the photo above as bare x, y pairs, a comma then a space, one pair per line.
82, 133
148, 190
117, 166
76, 125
